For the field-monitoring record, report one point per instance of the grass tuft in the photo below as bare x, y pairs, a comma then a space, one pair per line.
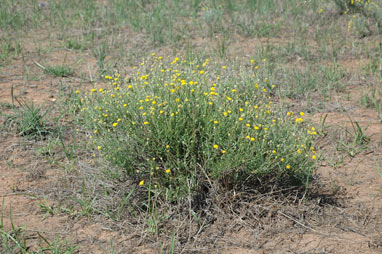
59, 70
28, 120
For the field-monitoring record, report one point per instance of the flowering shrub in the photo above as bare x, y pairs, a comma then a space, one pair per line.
363, 13
177, 123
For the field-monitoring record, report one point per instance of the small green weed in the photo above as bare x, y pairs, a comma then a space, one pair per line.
100, 54
9, 48
28, 120
373, 99
75, 44
6, 105
15, 240
353, 142
59, 70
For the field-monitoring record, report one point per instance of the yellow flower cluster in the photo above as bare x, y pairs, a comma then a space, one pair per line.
183, 112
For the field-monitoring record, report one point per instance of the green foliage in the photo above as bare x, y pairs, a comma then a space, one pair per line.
16, 240
363, 13
59, 70
9, 48
75, 44
353, 142
373, 99
28, 120
175, 125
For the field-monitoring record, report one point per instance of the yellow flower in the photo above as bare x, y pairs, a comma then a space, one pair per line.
201, 72
99, 147
288, 166
252, 139
224, 151
299, 151
302, 114
216, 122
77, 92
141, 182
115, 124
216, 146
167, 146
314, 157
282, 159
228, 98
145, 123
168, 171
299, 120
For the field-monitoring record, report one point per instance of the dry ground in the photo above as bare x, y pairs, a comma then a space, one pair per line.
343, 213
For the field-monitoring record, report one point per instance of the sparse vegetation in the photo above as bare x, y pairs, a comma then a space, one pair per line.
211, 144
59, 70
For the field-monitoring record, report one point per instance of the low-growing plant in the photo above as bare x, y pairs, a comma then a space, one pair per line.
353, 142
28, 120
59, 70
16, 240
373, 99
72, 43
9, 48
177, 125
100, 54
